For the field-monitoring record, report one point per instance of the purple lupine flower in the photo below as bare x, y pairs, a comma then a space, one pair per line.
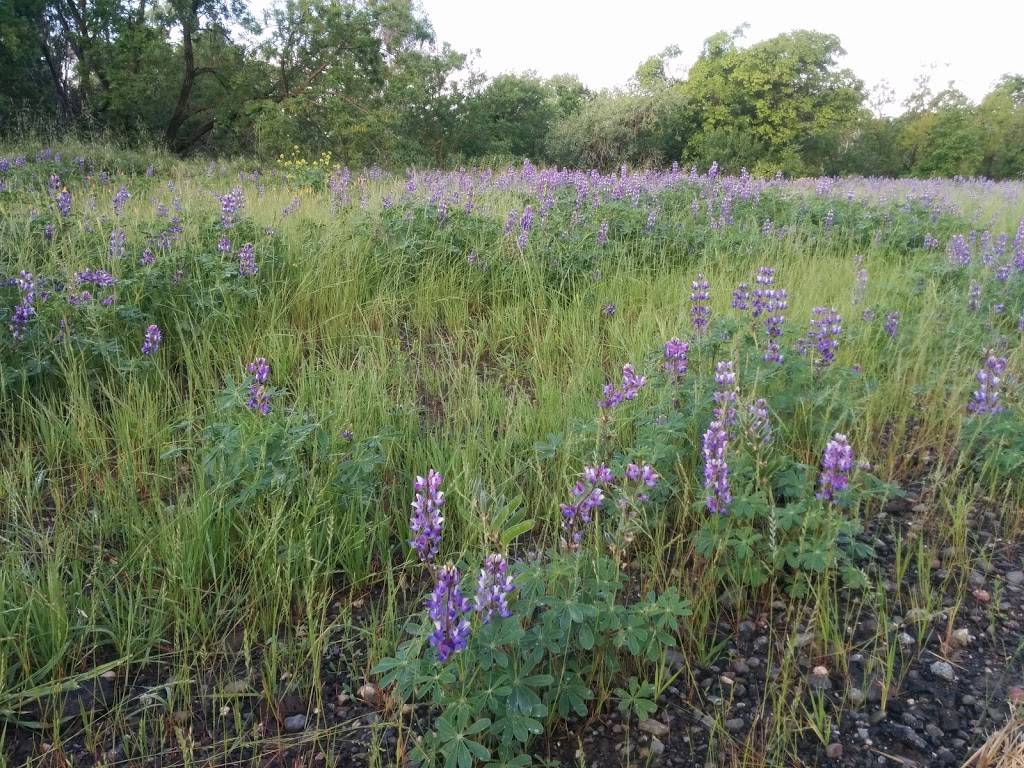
247, 261
151, 341
741, 297
632, 383
829, 219
588, 496
860, 286
892, 324
510, 222
766, 227
526, 220
48, 232
930, 242
116, 246
823, 335
608, 310
149, 171
54, 182
760, 426
230, 204
763, 282
224, 244
959, 250
120, 199
162, 211
493, 588
25, 309
602, 233
98, 277
836, 465
426, 521
699, 310
974, 296
291, 208
725, 395
472, 258
716, 469
63, 201
147, 258
259, 398
676, 359
867, 315
775, 306
642, 473
1003, 272
447, 608
985, 399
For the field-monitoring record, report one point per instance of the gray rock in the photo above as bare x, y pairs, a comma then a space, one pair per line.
295, 724
734, 725
653, 727
943, 670
657, 748
834, 751
1016, 578
855, 697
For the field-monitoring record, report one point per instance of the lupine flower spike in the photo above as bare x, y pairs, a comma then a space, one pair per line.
427, 521
447, 607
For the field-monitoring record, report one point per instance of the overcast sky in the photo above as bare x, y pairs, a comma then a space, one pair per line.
602, 41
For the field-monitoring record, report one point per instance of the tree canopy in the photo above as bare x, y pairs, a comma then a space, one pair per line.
367, 81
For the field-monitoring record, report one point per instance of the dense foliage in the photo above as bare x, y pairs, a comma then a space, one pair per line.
366, 81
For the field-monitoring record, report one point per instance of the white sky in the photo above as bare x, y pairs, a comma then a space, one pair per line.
602, 41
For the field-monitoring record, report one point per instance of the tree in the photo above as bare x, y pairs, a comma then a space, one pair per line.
786, 96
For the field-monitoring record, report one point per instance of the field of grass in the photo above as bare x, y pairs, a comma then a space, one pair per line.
187, 580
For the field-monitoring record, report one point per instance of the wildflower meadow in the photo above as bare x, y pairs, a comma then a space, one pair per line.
518, 466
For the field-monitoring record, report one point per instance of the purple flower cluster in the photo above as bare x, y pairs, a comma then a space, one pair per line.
230, 204
985, 398
741, 297
726, 394
259, 397
602, 233
493, 588
836, 465
763, 282
587, 497
823, 335
63, 201
676, 359
25, 309
718, 496
959, 250
700, 312
447, 608
147, 258
892, 324
120, 199
930, 242
632, 383
151, 340
247, 261
426, 521
224, 244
